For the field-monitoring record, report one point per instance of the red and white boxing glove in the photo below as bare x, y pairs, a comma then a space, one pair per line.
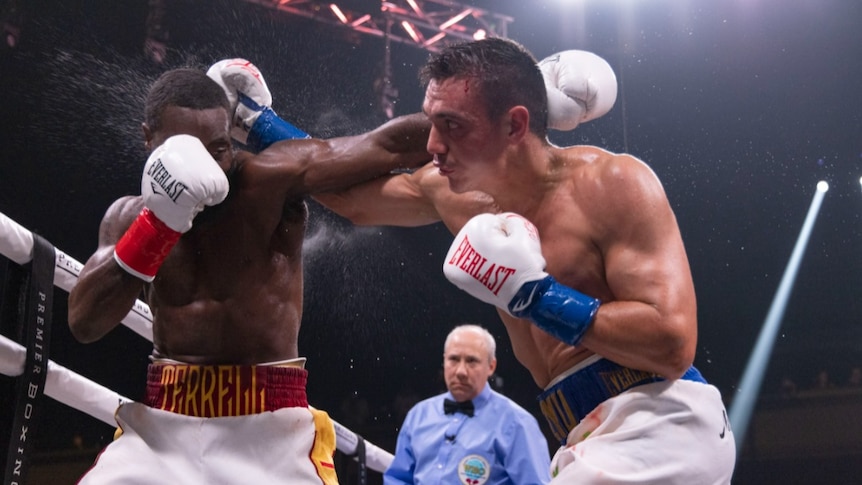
254, 124
239, 77
493, 256
497, 258
581, 87
180, 178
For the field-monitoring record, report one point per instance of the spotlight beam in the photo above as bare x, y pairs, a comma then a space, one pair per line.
749, 388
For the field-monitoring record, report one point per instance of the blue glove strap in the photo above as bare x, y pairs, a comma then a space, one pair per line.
268, 129
563, 312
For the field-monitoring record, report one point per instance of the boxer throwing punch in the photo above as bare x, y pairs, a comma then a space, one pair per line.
579, 250
214, 245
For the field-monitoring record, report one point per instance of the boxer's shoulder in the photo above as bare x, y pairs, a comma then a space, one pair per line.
601, 169
122, 212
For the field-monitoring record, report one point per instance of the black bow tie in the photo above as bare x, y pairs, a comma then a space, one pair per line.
465, 407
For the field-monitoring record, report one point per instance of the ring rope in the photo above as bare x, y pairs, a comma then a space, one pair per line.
64, 385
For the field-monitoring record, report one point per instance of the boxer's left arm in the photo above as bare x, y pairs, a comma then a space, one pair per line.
651, 324
649, 320
497, 258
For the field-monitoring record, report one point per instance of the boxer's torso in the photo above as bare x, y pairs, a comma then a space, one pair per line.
230, 291
569, 234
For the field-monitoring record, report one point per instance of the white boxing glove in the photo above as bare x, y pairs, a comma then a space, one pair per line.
254, 124
242, 82
180, 178
497, 258
581, 87
493, 256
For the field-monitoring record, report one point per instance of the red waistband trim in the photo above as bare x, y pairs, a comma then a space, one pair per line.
209, 391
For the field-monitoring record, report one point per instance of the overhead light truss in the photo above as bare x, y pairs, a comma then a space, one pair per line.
426, 24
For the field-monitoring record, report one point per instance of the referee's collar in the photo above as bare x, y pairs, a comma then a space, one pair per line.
479, 401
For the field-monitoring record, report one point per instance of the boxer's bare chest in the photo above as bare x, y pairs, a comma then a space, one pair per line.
568, 243
236, 246
235, 276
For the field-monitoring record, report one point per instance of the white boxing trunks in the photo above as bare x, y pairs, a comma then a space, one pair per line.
646, 430
220, 425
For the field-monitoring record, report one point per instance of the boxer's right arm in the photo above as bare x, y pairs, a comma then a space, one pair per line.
393, 200
179, 179
104, 293
407, 200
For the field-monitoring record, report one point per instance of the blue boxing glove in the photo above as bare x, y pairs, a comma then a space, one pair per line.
253, 122
497, 258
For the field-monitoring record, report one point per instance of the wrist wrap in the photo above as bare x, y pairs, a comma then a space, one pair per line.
144, 247
563, 312
268, 128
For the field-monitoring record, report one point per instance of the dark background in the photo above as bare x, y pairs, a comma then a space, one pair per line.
741, 107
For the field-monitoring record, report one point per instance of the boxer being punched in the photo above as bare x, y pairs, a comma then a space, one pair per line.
213, 243
580, 252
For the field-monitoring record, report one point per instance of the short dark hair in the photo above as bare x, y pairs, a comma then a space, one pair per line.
507, 74
185, 88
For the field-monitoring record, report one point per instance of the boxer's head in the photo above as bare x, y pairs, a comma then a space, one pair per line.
187, 101
487, 104
503, 72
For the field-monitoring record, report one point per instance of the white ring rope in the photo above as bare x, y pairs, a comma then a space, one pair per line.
74, 390
64, 385
16, 243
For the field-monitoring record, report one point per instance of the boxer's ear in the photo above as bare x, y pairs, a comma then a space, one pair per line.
148, 137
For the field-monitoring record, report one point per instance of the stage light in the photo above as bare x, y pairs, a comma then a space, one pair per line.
410, 30
454, 20
434, 39
12, 22
415, 7
11, 34
749, 388
156, 41
421, 19
338, 13
361, 20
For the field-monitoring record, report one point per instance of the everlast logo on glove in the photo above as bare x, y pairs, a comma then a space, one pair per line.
470, 261
160, 175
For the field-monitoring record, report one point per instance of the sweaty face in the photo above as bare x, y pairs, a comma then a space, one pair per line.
210, 126
467, 146
466, 365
